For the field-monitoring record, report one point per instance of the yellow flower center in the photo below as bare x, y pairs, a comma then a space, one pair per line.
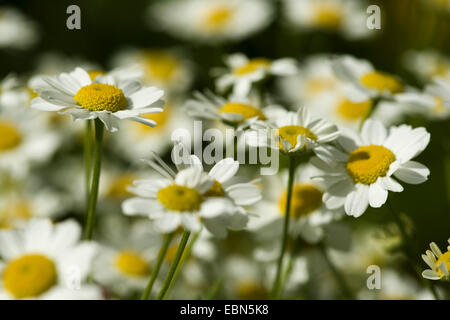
443, 258
328, 16
132, 264
245, 110
251, 290
252, 66
10, 136
93, 74
180, 198
291, 133
319, 85
16, 210
354, 110
118, 187
161, 118
29, 276
216, 190
438, 106
101, 97
381, 81
160, 66
306, 198
366, 164
218, 17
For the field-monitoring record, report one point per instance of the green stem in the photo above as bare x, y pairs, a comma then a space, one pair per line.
174, 265
277, 286
337, 274
212, 294
87, 158
95, 180
161, 254
410, 250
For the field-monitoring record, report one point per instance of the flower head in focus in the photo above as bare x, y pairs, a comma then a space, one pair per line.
438, 262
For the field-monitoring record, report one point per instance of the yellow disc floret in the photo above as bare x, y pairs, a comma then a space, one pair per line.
329, 17
251, 66
132, 263
445, 258
245, 110
251, 290
366, 164
180, 198
29, 276
93, 74
381, 81
160, 65
354, 110
291, 133
306, 198
10, 136
101, 97
118, 187
216, 190
218, 17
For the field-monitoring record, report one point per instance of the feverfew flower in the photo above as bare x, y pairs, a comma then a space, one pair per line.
110, 97
211, 20
427, 64
361, 172
344, 16
242, 72
16, 31
438, 262
40, 261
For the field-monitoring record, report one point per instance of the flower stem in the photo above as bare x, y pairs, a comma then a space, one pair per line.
174, 265
340, 279
277, 286
410, 250
95, 180
161, 254
87, 158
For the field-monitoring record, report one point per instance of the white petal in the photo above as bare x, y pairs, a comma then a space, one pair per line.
224, 170
357, 201
214, 207
377, 195
390, 184
412, 172
190, 222
373, 132
430, 274
244, 194
168, 222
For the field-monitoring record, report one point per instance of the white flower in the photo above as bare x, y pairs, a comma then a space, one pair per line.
438, 262
424, 103
427, 64
211, 20
25, 141
361, 173
16, 31
290, 131
179, 199
363, 81
46, 261
344, 16
162, 68
440, 89
242, 72
308, 213
236, 111
110, 98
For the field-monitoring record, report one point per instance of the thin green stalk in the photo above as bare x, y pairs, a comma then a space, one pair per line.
212, 294
410, 250
161, 254
277, 286
95, 180
87, 159
174, 265
340, 279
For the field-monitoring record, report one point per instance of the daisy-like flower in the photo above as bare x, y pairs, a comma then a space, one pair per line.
180, 199
426, 103
25, 141
46, 261
16, 31
440, 89
308, 213
361, 172
438, 262
162, 68
211, 20
236, 111
289, 131
109, 98
363, 81
9, 88
427, 64
242, 72
344, 16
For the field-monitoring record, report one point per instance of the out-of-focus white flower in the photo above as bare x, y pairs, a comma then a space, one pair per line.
363, 81
424, 103
242, 72
46, 261
110, 98
427, 64
360, 172
211, 20
308, 213
162, 68
438, 262
344, 16
16, 31
53, 62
